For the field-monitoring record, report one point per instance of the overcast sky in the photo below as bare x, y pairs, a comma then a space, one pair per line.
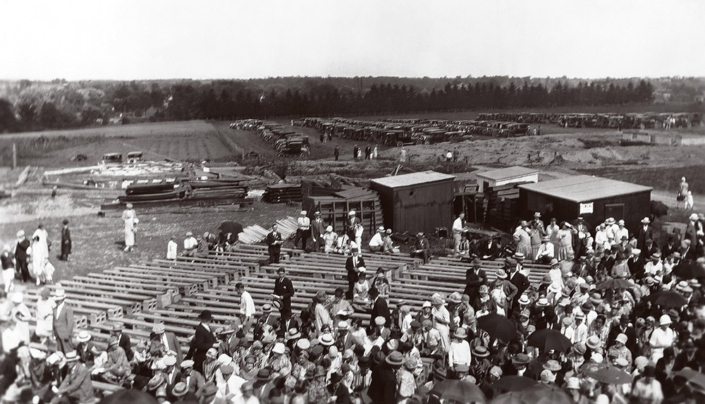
147, 39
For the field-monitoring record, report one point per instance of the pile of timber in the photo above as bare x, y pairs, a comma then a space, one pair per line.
256, 234
281, 193
502, 206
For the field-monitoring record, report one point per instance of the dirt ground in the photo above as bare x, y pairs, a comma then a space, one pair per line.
97, 240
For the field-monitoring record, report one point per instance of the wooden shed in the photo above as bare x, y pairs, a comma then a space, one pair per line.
593, 198
505, 176
416, 202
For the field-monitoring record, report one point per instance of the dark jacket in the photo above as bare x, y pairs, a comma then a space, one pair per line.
21, 250
380, 308
271, 238
473, 282
520, 281
202, 341
65, 241
285, 289
643, 235
352, 273
78, 384
383, 388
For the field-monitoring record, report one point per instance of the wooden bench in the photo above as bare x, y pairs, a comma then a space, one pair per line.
123, 290
219, 277
130, 302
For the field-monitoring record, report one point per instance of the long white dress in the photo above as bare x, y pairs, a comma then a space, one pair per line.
129, 217
40, 250
22, 316
45, 313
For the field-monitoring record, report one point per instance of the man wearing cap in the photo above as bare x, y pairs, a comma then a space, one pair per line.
303, 230
354, 229
77, 386
203, 340
21, 253
353, 265
274, 244
546, 251
644, 233
458, 229
284, 291
130, 218
376, 243
422, 248
474, 278
517, 366
383, 388
63, 322
194, 379
123, 339
169, 340
318, 229
654, 267
190, 244
489, 249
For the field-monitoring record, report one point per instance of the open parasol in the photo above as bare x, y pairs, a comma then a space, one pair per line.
547, 340
498, 327
545, 394
513, 383
606, 373
689, 270
231, 227
614, 284
459, 391
668, 299
132, 396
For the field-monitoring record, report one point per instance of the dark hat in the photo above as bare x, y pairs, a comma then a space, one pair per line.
521, 359
335, 378
395, 358
415, 325
205, 315
364, 362
440, 373
66, 221
209, 389
264, 375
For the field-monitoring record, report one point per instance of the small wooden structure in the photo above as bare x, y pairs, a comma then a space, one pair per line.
416, 202
506, 176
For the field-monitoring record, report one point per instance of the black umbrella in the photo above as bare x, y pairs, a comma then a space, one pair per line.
132, 396
513, 383
545, 394
547, 340
614, 284
231, 227
498, 327
689, 270
667, 299
459, 391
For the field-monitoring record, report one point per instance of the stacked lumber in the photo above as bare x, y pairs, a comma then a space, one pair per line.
280, 193
503, 206
256, 234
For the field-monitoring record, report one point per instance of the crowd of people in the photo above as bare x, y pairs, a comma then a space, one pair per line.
619, 317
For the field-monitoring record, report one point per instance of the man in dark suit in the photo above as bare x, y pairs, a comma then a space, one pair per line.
77, 386
274, 243
623, 328
65, 241
474, 278
645, 232
21, 256
284, 291
422, 248
318, 228
351, 224
353, 265
169, 340
379, 308
517, 279
194, 380
203, 340
123, 339
383, 388
63, 322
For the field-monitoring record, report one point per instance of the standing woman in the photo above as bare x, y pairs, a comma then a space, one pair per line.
565, 246
130, 218
40, 249
45, 320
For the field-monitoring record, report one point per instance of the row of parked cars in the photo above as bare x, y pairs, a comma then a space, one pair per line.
287, 142
404, 132
647, 120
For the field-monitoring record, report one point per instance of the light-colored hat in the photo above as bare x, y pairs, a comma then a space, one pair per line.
427, 304
352, 212
267, 308
501, 274
554, 262
646, 220
20, 233
55, 358
278, 348
59, 294
187, 364
380, 229
304, 213
188, 233
622, 338
128, 206
83, 336
552, 365
596, 357
621, 222
573, 383
169, 360
71, 356
158, 328
17, 298
542, 302
303, 344
610, 220
379, 320
343, 325
519, 256
326, 340
664, 320
636, 251
547, 376
436, 300
524, 299
180, 389
621, 362
118, 326
593, 342
693, 216
329, 228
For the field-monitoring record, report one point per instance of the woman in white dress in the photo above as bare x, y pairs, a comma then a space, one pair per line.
21, 315
565, 235
45, 312
40, 250
130, 218
44, 271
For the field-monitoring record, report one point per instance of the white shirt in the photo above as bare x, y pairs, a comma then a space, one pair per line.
171, 249
233, 387
376, 240
247, 305
458, 225
622, 232
304, 223
190, 243
661, 339
546, 250
58, 309
243, 400
459, 353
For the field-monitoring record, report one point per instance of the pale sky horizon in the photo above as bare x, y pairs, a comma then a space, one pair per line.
230, 39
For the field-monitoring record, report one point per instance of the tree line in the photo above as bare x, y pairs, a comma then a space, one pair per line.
69, 107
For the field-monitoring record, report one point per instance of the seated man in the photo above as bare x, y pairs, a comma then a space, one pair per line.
546, 251
377, 241
422, 248
190, 245
389, 247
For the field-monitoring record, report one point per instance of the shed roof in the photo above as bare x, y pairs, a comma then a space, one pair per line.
406, 180
509, 172
583, 188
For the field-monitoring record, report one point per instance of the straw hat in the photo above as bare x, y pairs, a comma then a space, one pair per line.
481, 351
395, 358
326, 340
501, 274
83, 336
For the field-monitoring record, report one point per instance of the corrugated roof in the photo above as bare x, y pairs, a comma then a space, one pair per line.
584, 188
509, 172
406, 180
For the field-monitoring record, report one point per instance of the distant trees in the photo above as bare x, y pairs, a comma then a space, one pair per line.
37, 106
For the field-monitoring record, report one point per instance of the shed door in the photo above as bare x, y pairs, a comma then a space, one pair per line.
615, 210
